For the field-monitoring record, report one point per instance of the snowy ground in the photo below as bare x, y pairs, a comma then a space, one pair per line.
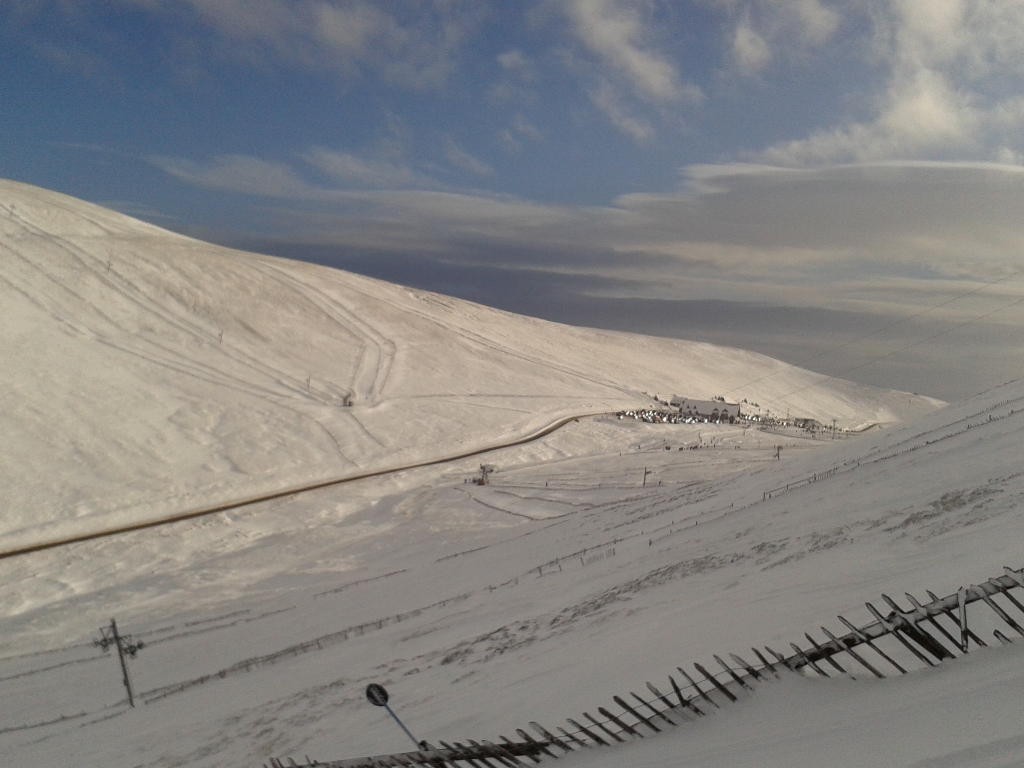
564, 582
965, 715
474, 640
156, 374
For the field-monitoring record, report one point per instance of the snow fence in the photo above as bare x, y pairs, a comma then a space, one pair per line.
895, 642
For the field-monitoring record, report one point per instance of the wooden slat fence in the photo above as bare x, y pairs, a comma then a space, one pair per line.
898, 640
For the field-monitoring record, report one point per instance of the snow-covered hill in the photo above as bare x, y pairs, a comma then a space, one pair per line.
146, 373
600, 556
537, 597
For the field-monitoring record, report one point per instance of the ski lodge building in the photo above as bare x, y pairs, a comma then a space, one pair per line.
712, 410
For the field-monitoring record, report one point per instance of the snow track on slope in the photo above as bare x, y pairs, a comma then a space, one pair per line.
378, 350
118, 337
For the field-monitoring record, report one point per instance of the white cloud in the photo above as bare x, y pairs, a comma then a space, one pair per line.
460, 158
614, 30
414, 45
1007, 156
607, 98
628, 78
845, 242
521, 129
750, 50
354, 170
870, 224
508, 140
921, 115
921, 223
351, 175
517, 80
955, 69
350, 31
814, 22
1008, 115
516, 62
239, 173
778, 29
526, 129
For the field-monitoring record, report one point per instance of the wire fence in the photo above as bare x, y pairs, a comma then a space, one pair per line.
909, 445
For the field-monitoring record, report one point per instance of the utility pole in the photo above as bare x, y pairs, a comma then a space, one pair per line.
125, 645
646, 473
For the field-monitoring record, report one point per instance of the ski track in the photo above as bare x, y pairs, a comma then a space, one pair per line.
369, 381
288, 388
150, 350
362, 428
496, 346
288, 385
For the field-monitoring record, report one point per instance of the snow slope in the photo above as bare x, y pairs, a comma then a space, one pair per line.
479, 619
147, 373
596, 559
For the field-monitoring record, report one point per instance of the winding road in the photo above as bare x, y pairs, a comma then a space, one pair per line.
191, 514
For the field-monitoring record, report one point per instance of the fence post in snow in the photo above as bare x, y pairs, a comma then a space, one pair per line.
961, 596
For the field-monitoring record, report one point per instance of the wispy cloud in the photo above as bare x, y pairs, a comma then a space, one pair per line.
525, 128
517, 63
240, 173
350, 169
463, 160
615, 31
811, 22
415, 44
875, 241
608, 99
521, 129
630, 73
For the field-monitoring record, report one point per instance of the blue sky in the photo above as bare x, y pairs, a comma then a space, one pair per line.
790, 176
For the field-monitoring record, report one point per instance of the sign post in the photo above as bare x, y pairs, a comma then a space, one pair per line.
378, 696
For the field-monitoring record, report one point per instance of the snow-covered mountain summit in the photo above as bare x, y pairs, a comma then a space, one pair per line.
146, 372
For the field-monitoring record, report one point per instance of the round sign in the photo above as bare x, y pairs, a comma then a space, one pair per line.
377, 694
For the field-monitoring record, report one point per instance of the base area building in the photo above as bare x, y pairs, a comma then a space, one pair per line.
712, 410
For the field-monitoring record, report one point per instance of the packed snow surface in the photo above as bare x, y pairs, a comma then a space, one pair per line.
599, 557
